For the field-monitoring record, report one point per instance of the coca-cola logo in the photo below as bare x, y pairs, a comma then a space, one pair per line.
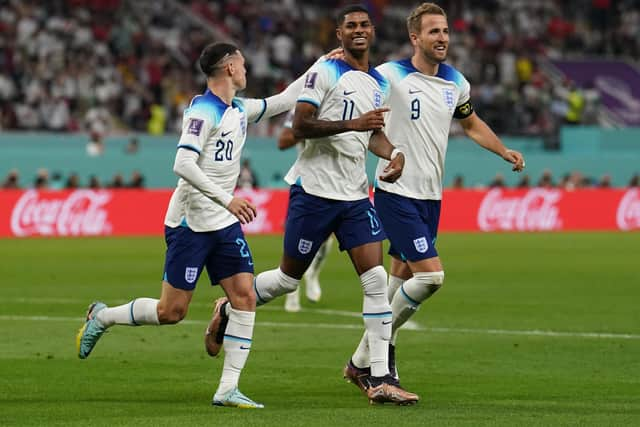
79, 213
628, 215
259, 198
535, 210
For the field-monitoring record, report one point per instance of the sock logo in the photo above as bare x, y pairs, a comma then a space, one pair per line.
387, 322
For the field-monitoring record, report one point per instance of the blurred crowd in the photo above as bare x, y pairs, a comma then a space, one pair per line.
248, 180
103, 66
44, 180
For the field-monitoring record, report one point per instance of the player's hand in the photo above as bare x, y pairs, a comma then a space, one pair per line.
515, 157
371, 120
393, 171
242, 209
337, 53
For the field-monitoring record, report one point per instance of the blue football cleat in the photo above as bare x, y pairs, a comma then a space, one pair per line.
91, 331
235, 399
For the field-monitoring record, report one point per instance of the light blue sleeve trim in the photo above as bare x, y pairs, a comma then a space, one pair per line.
264, 109
310, 101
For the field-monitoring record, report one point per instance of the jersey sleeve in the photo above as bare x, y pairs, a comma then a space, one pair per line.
316, 84
464, 108
253, 108
196, 128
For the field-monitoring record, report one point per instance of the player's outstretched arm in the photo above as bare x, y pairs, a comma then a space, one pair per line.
476, 129
306, 125
380, 146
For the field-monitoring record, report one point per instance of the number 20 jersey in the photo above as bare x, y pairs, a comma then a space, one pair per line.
217, 132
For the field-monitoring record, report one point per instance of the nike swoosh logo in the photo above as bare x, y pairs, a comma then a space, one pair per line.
375, 233
250, 262
386, 323
347, 93
413, 91
226, 133
244, 348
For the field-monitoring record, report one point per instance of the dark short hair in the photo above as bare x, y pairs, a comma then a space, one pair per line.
212, 54
349, 9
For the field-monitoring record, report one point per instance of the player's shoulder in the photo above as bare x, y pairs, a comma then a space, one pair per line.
207, 106
397, 69
449, 73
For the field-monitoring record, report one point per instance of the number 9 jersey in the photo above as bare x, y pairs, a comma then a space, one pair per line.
422, 108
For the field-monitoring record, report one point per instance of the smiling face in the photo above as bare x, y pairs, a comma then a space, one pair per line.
432, 41
356, 32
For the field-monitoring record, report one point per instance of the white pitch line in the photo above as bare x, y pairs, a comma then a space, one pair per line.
594, 335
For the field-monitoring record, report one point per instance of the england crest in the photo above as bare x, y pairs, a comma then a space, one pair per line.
304, 246
448, 98
421, 244
377, 99
191, 274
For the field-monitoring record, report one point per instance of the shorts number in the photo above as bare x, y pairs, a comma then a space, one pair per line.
244, 252
224, 150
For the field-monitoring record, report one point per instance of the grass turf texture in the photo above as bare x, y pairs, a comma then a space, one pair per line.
476, 363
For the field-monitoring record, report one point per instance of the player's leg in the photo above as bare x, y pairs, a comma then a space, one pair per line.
309, 222
186, 251
231, 265
312, 276
360, 233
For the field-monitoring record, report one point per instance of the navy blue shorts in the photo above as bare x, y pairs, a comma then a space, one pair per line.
311, 219
411, 225
224, 252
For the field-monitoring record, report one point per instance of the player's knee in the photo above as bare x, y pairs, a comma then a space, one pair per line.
171, 314
374, 281
424, 284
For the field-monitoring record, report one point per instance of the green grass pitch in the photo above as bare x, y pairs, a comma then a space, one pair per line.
529, 330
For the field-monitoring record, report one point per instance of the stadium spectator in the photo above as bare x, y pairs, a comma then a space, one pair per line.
497, 181
117, 181
525, 182
546, 180
605, 181
247, 178
73, 181
12, 180
95, 146
458, 182
132, 146
57, 182
136, 180
635, 181
94, 182
42, 180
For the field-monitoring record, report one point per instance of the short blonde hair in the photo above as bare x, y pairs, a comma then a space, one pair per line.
414, 21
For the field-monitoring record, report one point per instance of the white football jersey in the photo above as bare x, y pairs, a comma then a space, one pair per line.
422, 108
217, 132
333, 167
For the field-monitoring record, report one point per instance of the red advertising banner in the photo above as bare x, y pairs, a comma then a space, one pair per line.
141, 212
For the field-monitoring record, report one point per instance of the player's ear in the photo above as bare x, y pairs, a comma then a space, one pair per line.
339, 34
414, 38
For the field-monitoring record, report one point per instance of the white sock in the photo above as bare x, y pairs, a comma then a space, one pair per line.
376, 312
410, 295
361, 356
236, 344
271, 284
140, 311
394, 283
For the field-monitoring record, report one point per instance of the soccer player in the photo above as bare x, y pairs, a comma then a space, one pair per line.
202, 224
425, 95
286, 140
340, 114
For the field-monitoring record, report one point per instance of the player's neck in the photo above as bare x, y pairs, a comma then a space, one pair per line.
360, 62
425, 67
223, 90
